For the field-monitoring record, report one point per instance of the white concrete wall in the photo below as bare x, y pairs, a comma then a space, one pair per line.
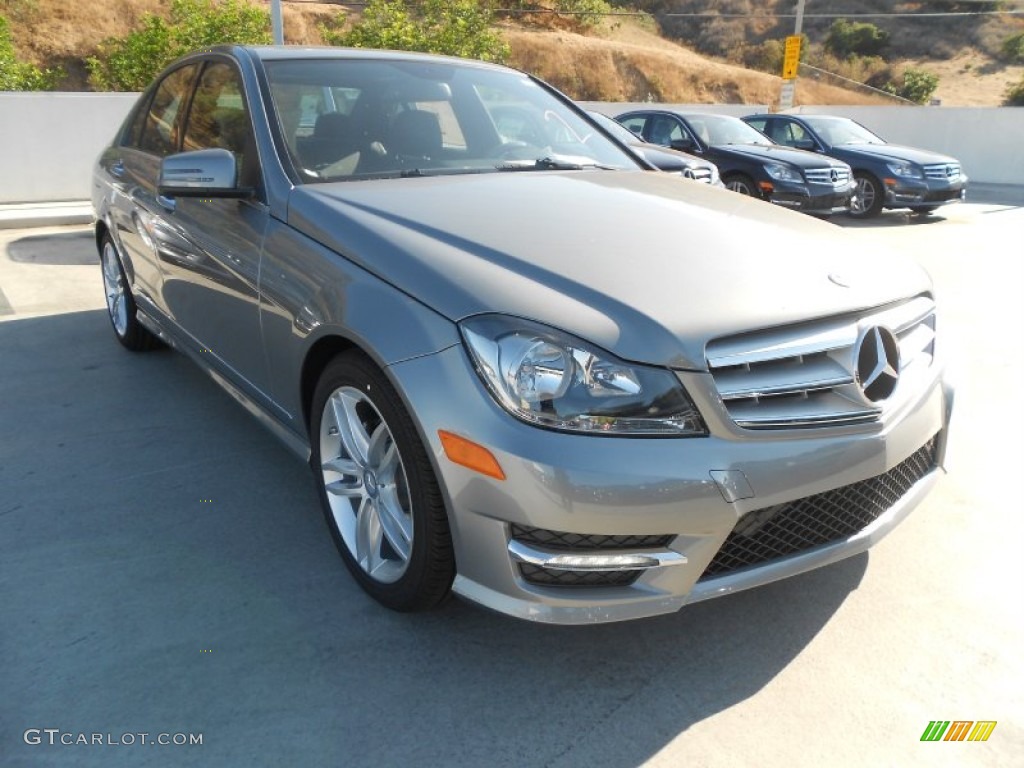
49, 141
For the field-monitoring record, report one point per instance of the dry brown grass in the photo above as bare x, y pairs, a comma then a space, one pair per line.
625, 61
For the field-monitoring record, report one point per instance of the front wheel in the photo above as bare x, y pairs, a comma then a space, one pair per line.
868, 196
742, 184
120, 303
378, 490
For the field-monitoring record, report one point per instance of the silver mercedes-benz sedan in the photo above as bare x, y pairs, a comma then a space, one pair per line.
523, 369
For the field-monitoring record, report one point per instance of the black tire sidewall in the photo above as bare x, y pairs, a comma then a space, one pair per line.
877, 203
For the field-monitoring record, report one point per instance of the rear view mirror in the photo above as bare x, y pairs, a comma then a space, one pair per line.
202, 173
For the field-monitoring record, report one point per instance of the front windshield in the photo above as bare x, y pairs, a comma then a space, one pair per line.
348, 119
839, 130
721, 129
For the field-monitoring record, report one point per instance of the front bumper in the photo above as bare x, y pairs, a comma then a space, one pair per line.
923, 193
818, 199
680, 498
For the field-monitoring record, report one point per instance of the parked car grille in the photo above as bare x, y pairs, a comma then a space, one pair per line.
803, 375
945, 171
785, 529
699, 173
834, 176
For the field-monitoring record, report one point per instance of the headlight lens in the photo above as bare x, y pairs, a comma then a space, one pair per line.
907, 170
551, 379
782, 172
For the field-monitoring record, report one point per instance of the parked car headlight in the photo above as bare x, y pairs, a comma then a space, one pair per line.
906, 170
549, 378
782, 172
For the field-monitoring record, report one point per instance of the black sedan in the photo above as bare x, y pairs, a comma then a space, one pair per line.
664, 159
887, 175
748, 161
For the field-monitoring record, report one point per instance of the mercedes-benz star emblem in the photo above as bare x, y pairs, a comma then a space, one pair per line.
877, 360
834, 175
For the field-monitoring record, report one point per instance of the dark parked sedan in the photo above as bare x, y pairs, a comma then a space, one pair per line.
887, 175
749, 162
663, 158
522, 365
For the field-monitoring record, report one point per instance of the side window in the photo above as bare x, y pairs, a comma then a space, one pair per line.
218, 118
759, 124
664, 130
163, 120
635, 124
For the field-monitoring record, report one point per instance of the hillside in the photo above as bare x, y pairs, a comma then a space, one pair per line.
623, 60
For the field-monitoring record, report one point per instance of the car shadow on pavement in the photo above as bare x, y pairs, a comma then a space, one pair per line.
167, 569
58, 248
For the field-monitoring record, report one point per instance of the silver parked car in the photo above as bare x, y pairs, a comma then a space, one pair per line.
533, 374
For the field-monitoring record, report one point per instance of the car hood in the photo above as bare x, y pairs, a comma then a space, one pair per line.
778, 154
632, 261
668, 159
896, 152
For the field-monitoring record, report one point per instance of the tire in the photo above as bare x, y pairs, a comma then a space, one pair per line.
870, 196
924, 210
377, 488
121, 307
742, 184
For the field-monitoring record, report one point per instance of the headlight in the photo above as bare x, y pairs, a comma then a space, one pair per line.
782, 172
551, 379
906, 170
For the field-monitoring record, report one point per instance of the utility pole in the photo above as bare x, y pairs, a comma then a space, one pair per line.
277, 25
791, 61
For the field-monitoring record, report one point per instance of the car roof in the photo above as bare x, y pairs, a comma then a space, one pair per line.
314, 53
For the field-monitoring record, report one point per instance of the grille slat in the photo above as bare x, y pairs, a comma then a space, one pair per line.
824, 176
786, 529
946, 171
803, 375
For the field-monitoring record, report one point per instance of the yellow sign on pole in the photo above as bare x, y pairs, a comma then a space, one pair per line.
791, 58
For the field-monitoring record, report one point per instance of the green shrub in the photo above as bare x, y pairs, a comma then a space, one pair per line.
129, 63
1015, 95
918, 86
16, 75
586, 13
451, 27
848, 38
1013, 48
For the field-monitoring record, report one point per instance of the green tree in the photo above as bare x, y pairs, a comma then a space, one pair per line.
451, 27
129, 63
17, 75
918, 86
855, 38
1015, 95
1013, 48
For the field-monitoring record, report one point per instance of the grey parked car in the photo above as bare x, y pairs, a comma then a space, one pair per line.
539, 376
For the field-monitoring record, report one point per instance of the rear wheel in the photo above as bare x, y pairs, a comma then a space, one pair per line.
120, 303
377, 487
742, 184
868, 197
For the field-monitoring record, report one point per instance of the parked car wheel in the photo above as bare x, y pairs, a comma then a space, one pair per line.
120, 303
869, 196
378, 490
742, 184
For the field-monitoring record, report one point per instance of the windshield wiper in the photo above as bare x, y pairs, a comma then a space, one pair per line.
554, 163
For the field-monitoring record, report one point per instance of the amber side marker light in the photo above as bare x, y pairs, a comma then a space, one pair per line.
468, 454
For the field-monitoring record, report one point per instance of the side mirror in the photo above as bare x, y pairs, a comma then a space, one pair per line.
805, 144
683, 145
202, 173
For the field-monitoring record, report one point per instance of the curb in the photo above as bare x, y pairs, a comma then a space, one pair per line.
27, 215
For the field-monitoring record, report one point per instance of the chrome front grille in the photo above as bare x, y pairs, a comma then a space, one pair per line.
945, 171
834, 176
700, 174
805, 375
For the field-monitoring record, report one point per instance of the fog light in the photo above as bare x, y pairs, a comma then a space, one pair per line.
601, 562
